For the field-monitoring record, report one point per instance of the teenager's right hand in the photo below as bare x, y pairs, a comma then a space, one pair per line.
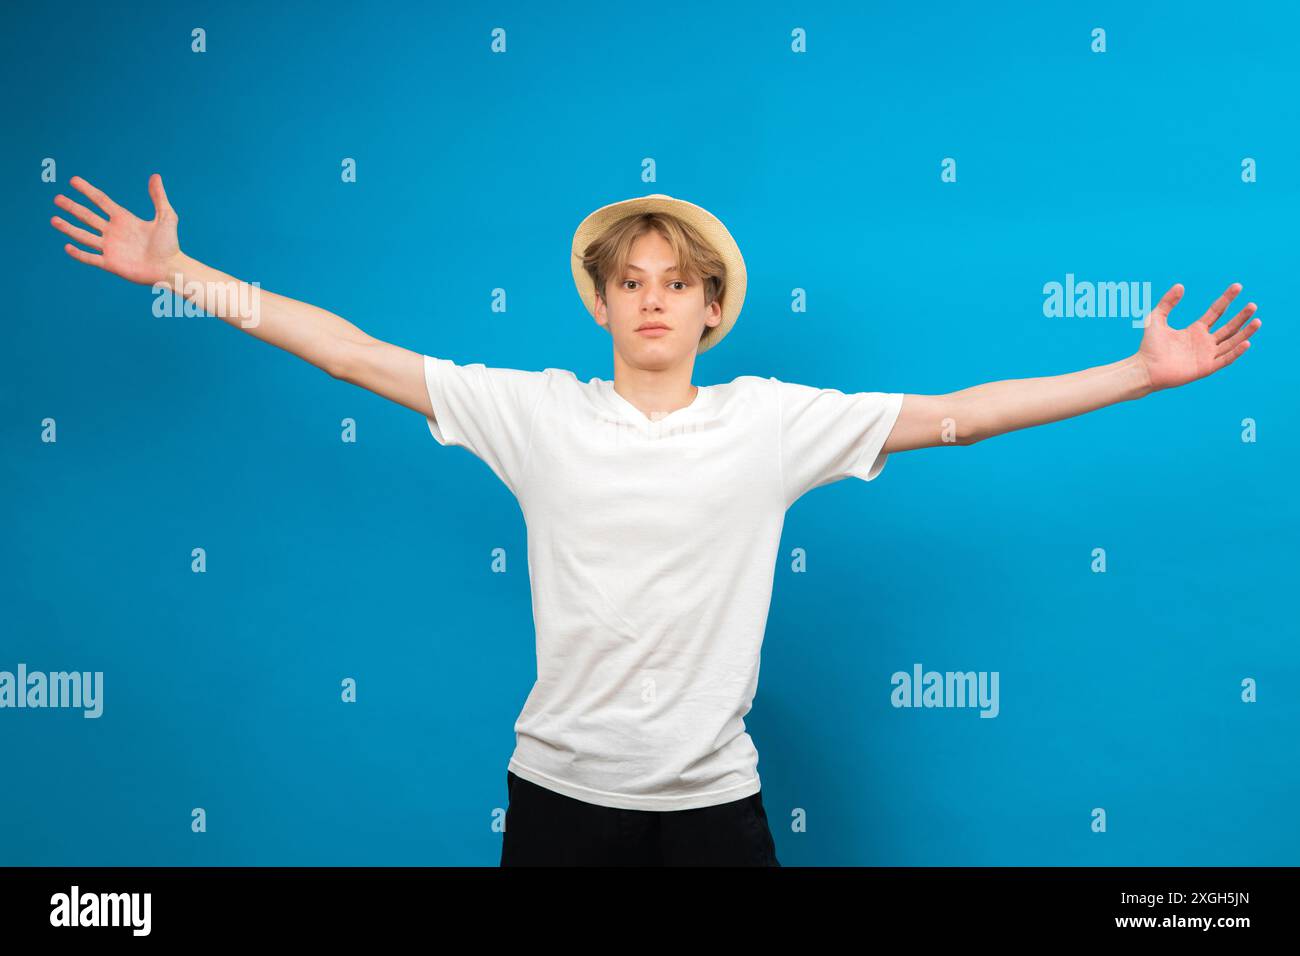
143, 252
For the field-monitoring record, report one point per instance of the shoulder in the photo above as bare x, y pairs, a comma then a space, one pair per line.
562, 373
746, 384
747, 394
565, 381
478, 379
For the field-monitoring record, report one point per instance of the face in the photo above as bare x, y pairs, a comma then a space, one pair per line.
654, 313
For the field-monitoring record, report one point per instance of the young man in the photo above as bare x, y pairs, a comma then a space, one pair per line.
654, 507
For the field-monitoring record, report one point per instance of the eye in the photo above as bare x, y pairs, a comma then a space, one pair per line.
681, 282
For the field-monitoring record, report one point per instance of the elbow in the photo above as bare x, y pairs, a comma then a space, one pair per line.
336, 364
959, 420
962, 430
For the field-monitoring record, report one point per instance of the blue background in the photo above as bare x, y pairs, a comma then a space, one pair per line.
372, 560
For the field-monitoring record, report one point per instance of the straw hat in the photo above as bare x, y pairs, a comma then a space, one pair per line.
708, 226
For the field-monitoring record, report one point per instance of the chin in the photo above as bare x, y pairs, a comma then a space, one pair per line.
654, 354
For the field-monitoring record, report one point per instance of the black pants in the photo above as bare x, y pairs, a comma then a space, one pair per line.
545, 828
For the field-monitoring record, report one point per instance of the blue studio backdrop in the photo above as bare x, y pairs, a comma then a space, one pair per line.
904, 181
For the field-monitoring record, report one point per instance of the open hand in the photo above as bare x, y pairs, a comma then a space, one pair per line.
127, 246
1174, 357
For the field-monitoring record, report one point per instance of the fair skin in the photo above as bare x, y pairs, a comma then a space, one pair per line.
148, 252
653, 372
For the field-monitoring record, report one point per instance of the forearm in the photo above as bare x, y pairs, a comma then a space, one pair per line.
309, 332
998, 407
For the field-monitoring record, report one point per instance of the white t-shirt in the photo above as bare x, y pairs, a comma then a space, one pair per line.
652, 547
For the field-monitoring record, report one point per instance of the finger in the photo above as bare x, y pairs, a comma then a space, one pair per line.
1161, 312
81, 212
1238, 320
81, 255
159, 196
97, 196
83, 237
1237, 339
1228, 358
1212, 314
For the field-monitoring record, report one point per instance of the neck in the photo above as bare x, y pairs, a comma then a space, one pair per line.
655, 390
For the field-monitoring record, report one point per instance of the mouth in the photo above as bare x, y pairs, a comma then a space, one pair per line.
653, 329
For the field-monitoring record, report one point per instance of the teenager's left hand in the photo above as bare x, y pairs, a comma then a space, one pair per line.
1173, 357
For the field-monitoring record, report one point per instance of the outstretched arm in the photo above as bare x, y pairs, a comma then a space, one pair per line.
149, 253
1166, 358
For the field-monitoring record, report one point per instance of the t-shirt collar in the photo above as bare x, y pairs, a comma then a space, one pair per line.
702, 397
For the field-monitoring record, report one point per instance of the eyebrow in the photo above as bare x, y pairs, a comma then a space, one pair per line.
639, 269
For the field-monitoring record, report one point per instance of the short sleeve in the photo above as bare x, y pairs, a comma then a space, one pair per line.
489, 411
827, 435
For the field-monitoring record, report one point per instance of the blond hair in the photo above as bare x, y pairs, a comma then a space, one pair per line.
606, 256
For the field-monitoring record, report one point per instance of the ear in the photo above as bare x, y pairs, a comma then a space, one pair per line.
599, 315
715, 314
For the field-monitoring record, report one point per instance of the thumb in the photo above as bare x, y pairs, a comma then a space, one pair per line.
159, 196
1160, 314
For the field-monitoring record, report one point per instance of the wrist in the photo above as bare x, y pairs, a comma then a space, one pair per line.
173, 271
1139, 376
